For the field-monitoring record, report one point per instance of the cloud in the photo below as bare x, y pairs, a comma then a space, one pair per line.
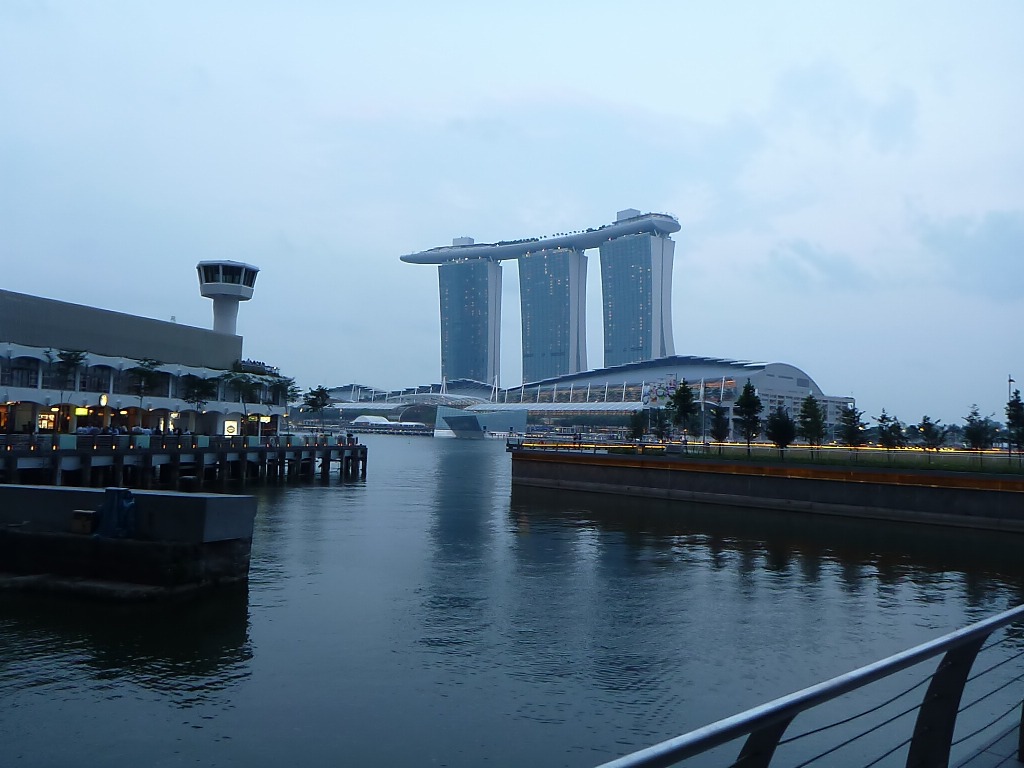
823, 98
803, 266
982, 255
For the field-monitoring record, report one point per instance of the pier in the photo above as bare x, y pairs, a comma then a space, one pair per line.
976, 500
183, 462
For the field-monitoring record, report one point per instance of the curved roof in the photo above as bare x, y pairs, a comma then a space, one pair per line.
648, 223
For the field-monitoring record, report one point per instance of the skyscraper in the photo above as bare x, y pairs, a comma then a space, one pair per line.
470, 319
553, 299
636, 274
636, 286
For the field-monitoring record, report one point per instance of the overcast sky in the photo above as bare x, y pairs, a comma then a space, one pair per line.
849, 177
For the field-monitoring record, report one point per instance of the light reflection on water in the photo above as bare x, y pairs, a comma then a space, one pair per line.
431, 615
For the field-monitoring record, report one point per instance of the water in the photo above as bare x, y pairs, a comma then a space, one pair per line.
432, 616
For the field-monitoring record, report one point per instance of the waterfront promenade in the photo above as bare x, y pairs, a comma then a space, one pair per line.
870, 491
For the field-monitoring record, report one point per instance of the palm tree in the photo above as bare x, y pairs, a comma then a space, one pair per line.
66, 364
198, 392
146, 377
248, 388
317, 399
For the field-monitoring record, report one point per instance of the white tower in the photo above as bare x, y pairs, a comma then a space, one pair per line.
227, 283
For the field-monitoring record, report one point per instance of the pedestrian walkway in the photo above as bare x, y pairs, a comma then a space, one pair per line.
1001, 752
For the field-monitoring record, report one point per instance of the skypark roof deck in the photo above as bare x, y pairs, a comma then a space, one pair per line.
648, 223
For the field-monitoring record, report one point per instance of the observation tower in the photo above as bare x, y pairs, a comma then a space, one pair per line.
227, 283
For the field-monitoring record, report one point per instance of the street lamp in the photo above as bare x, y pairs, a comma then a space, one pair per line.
1009, 396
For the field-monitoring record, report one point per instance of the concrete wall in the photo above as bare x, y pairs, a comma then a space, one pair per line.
937, 498
39, 322
180, 542
162, 516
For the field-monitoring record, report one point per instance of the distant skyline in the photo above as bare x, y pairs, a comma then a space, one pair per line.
849, 178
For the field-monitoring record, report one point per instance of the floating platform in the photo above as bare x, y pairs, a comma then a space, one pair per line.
120, 544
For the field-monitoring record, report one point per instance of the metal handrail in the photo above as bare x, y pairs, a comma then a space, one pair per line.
765, 724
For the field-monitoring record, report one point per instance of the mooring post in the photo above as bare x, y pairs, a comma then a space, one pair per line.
11, 469
85, 469
56, 475
118, 469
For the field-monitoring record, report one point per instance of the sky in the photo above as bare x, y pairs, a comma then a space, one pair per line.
849, 177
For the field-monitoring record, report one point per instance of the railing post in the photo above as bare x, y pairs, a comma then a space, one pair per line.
1020, 736
933, 731
759, 748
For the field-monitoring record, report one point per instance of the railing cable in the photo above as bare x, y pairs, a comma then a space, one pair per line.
981, 698
998, 664
884, 755
850, 719
972, 734
861, 735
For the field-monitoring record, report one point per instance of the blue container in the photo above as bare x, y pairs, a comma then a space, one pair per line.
117, 514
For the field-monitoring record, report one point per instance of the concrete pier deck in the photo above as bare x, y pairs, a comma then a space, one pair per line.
122, 544
176, 462
1000, 753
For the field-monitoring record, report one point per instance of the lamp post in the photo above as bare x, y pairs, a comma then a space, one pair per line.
1009, 396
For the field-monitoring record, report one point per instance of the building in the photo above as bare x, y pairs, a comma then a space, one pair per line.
65, 366
622, 389
553, 298
605, 394
552, 286
470, 294
636, 285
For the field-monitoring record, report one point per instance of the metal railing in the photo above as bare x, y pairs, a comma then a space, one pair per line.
930, 739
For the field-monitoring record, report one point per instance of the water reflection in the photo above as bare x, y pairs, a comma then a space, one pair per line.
190, 651
454, 595
780, 542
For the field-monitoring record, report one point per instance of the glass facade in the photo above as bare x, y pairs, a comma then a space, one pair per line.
552, 294
636, 284
470, 312
231, 274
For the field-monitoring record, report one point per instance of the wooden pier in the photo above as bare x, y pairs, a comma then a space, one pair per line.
187, 462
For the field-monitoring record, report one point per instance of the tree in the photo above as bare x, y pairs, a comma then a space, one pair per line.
1015, 422
890, 432
811, 421
284, 390
317, 399
145, 377
197, 393
66, 364
780, 429
248, 387
933, 434
979, 431
659, 423
851, 427
682, 407
748, 413
637, 427
719, 426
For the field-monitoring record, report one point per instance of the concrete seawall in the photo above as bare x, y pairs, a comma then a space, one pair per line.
173, 542
972, 500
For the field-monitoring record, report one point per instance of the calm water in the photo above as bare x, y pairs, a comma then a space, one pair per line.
432, 616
